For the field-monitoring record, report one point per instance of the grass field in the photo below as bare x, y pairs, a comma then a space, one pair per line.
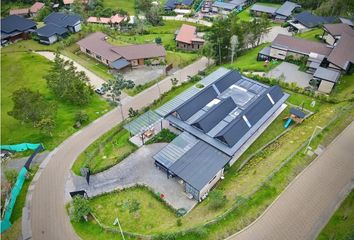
344, 90
248, 61
25, 69
127, 5
107, 151
311, 35
341, 224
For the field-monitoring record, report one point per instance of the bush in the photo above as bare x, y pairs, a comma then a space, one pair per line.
199, 85
79, 209
179, 222
164, 135
216, 200
81, 117
11, 176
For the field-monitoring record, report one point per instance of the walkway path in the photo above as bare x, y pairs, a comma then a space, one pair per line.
137, 168
45, 216
95, 80
304, 208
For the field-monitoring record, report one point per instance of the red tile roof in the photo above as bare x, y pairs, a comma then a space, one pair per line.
188, 34
20, 11
104, 20
36, 7
301, 45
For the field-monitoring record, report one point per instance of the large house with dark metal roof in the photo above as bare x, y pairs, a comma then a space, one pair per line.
178, 4
58, 25
282, 13
14, 28
218, 122
305, 21
119, 57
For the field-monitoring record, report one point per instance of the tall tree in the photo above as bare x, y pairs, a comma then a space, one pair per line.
31, 107
208, 51
143, 5
234, 46
154, 15
69, 84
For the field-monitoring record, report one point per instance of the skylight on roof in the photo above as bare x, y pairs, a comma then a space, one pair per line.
213, 102
234, 86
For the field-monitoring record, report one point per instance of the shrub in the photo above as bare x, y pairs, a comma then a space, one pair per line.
179, 222
199, 85
80, 208
164, 135
81, 117
216, 200
11, 176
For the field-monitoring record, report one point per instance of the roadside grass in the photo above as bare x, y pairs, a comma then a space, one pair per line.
23, 69
111, 148
151, 215
139, 88
311, 35
128, 6
344, 90
341, 224
247, 61
180, 59
14, 232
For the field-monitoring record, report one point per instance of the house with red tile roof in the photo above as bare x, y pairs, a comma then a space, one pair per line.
26, 12
187, 39
119, 57
114, 20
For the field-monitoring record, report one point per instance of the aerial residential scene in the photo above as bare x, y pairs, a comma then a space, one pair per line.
177, 119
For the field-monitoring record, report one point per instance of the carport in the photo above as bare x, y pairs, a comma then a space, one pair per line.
144, 127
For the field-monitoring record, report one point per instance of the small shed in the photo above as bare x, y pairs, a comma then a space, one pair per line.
327, 78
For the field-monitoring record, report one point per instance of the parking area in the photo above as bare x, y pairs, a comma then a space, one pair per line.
291, 74
144, 74
138, 168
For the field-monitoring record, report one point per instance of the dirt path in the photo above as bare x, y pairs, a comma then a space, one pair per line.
306, 205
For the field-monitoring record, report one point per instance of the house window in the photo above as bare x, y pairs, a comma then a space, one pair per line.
98, 57
212, 179
107, 62
88, 51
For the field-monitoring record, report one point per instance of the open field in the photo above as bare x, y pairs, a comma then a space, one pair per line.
341, 224
128, 6
311, 35
28, 70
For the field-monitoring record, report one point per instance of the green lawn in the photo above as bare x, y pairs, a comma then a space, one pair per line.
248, 61
311, 35
344, 90
127, 5
341, 224
245, 15
180, 59
152, 215
23, 69
107, 151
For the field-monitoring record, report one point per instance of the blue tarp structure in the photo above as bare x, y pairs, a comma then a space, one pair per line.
20, 147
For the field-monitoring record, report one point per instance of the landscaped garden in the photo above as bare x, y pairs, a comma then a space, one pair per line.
24, 69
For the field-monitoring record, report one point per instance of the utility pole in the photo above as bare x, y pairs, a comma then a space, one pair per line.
312, 136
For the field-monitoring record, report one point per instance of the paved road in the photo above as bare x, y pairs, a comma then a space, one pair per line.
45, 210
304, 208
95, 80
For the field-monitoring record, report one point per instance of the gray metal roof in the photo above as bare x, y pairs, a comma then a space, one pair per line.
175, 149
287, 8
119, 64
327, 74
346, 21
143, 122
262, 8
238, 2
224, 5
199, 165
15, 23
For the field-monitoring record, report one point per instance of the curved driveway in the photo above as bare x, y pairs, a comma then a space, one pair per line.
306, 205
48, 216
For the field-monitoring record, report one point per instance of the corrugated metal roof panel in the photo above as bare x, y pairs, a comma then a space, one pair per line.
144, 121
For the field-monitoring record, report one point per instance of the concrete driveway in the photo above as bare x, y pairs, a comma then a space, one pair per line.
273, 32
144, 74
291, 74
95, 80
138, 168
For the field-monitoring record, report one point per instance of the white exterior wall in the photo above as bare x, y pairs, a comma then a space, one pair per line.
77, 28
325, 86
207, 187
53, 39
277, 53
329, 39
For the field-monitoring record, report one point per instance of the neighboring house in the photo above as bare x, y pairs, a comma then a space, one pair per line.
258, 10
114, 21
26, 12
240, 4
15, 27
286, 10
282, 13
347, 21
187, 38
336, 57
326, 79
68, 3
51, 33
119, 57
304, 21
222, 7
58, 25
218, 123
178, 4
333, 32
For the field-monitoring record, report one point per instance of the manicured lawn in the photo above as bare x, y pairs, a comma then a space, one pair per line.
344, 90
311, 35
248, 61
127, 5
245, 15
107, 151
341, 224
28, 45
25, 69
151, 216
180, 59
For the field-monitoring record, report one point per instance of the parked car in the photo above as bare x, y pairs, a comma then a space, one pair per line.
100, 91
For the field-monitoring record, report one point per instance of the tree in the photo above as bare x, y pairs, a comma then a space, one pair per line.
154, 15
233, 45
143, 5
216, 200
132, 112
115, 87
208, 51
46, 125
80, 208
81, 117
31, 107
79, 8
67, 83
44, 12
11, 176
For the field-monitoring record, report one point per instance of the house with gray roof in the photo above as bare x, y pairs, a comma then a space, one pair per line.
258, 10
218, 123
282, 13
15, 27
305, 21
